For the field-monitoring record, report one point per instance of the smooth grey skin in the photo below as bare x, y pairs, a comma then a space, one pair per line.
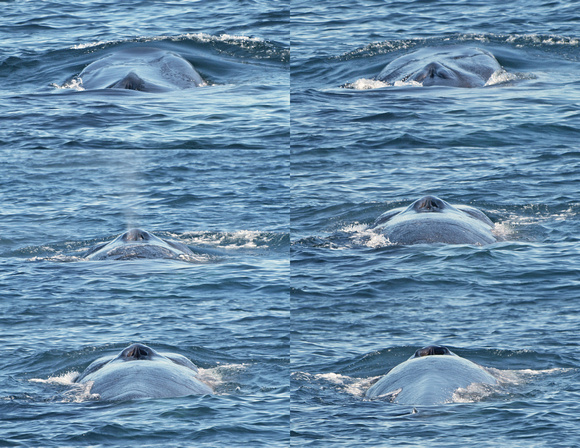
144, 69
430, 377
432, 220
141, 372
135, 244
454, 66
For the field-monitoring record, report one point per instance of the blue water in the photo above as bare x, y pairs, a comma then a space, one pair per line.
279, 165
361, 306
241, 51
228, 314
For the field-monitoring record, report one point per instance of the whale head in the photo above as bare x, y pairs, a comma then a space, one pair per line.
135, 244
453, 66
142, 69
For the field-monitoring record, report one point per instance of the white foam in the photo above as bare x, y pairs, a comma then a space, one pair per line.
505, 378
516, 223
216, 376
362, 235
335, 378
352, 386
244, 239
517, 377
66, 379
366, 84
546, 40
88, 45
80, 392
369, 84
500, 77
77, 392
502, 230
75, 83
409, 83
203, 37
473, 393
222, 37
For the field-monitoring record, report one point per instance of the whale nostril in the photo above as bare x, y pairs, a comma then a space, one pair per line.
429, 204
137, 351
436, 70
431, 351
136, 235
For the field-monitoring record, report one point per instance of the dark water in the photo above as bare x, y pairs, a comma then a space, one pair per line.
278, 166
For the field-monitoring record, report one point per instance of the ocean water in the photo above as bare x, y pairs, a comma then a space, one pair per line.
79, 167
240, 49
228, 313
360, 305
277, 167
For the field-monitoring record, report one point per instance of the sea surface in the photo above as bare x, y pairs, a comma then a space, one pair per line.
241, 50
360, 305
208, 167
277, 167
228, 313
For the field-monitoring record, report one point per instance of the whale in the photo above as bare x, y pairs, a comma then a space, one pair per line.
143, 69
454, 66
141, 372
433, 220
138, 243
430, 377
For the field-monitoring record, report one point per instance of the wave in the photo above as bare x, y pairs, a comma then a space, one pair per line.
233, 45
520, 40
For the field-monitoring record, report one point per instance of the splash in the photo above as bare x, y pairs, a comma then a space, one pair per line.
76, 83
66, 379
522, 39
220, 376
503, 77
366, 84
498, 77
241, 239
505, 379
352, 386
363, 235
503, 231
228, 38
77, 392
239, 40
371, 84
473, 393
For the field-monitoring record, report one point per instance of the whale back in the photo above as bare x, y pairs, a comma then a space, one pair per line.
141, 372
145, 379
429, 380
432, 220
